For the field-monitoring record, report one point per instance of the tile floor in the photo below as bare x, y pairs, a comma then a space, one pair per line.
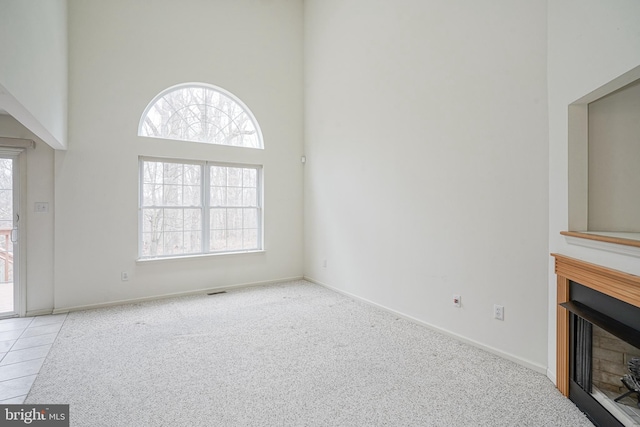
24, 344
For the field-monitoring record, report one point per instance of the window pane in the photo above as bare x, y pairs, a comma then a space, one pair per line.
218, 219
191, 195
249, 197
250, 218
250, 139
193, 220
218, 176
173, 220
173, 243
151, 244
250, 239
203, 114
152, 172
234, 219
192, 174
173, 173
234, 240
6, 199
249, 178
171, 211
218, 196
152, 195
152, 220
233, 188
218, 240
234, 177
233, 135
192, 242
220, 134
234, 196
172, 195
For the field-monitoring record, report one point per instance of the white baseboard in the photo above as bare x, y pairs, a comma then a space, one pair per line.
516, 359
42, 312
552, 376
171, 295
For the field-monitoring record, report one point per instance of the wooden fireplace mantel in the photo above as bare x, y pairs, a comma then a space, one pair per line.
617, 284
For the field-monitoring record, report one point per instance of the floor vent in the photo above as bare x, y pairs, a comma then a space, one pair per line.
217, 293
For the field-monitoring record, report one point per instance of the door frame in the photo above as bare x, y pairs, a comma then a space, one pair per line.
19, 157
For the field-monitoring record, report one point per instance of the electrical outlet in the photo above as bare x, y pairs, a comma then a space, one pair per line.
324, 263
498, 312
124, 276
457, 301
41, 207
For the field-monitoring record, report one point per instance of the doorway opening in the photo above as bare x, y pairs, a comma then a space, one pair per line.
9, 218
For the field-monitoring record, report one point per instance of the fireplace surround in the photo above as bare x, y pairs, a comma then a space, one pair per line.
595, 305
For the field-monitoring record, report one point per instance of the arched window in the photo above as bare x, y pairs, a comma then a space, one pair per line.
201, 113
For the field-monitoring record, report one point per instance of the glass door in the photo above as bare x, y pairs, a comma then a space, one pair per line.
9, 219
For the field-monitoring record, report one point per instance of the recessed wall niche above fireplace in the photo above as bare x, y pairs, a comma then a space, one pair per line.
598, 341
603, 164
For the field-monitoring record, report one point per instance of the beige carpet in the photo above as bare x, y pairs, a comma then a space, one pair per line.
294, 354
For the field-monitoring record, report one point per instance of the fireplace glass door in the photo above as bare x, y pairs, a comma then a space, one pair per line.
604, 358
608, 369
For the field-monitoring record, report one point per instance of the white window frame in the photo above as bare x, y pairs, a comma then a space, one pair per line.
205, 206
206, 87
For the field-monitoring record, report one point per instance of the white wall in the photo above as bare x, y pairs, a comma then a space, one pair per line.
591, 42
39, 226
426, 134
426, 175
33, 66
122, 54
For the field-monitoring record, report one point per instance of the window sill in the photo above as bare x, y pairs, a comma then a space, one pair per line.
195, 257
617, 242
